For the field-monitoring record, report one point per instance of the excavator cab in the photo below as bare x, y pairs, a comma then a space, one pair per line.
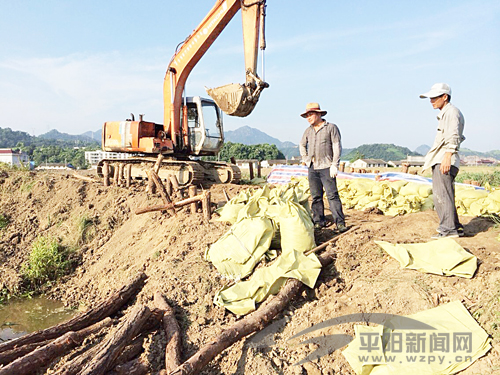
204, 120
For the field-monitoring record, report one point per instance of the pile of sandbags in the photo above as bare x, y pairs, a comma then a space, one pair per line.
264, 221
391, 197
403, 197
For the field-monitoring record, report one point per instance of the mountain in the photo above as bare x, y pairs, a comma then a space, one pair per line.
58, 136
96, 136
422, 149
495, 154
252, 136
380, 151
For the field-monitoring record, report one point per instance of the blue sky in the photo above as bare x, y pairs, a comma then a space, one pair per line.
72, 65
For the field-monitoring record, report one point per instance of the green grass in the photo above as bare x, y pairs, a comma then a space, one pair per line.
4, 221
47, 262
86, 229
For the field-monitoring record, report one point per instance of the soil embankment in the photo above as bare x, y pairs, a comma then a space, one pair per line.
116, 244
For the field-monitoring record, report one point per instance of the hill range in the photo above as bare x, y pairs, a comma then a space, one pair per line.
245, 135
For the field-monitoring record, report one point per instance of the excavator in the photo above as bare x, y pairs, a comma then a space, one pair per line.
192, 126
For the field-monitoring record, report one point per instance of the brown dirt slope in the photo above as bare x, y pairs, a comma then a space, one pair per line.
170, 250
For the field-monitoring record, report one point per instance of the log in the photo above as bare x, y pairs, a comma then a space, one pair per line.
174, 182
330, 242
161, 188
251, 323
226, 195
74, 366
111, 348
192, 194
206, 206
173, 357
105, 173
116, 175
104, 309
134, 367
44, 355
129, 175
11, 355
162, 207
250, 169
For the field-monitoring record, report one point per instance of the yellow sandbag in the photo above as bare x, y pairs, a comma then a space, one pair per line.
495, 195
378, 189
493, 207
242, 297
427, 204
237, 252
397, 185
411, 188
471, 194
394, 350
366, 202
361, 186
296, 227
229, 212
425, 190
478, 207
440, 257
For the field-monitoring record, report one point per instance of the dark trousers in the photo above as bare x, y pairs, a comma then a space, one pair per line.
319, 179
443, 191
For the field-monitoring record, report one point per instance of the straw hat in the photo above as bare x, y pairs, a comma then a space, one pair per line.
313, 107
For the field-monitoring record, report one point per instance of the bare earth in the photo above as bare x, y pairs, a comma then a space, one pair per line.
170, 250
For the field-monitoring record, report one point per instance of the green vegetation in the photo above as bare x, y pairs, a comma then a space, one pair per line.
53, 147
356, 155
47, 262
241, 152
4, 221
382, 151
492, 178
86, 230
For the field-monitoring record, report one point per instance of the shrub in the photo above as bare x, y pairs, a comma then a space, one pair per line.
47, 262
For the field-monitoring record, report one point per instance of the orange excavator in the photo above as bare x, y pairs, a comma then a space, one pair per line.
192, 126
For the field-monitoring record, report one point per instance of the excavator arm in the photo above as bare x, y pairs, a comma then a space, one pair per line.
234, 99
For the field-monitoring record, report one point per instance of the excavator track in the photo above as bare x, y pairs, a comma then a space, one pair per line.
187, 172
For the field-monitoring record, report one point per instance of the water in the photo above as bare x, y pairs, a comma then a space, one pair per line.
22, 316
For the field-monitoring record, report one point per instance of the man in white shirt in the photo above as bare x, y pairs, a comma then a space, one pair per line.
444, 160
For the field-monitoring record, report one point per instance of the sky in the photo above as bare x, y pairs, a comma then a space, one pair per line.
72, 65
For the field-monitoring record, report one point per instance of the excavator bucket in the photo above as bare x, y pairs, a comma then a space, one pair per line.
234, 99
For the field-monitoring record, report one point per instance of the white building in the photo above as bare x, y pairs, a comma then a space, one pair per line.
368, 163
12, 157
94, 157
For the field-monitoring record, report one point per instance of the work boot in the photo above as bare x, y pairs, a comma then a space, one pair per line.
341, 228
445, 235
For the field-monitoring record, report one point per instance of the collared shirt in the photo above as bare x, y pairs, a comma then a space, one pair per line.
322, 146
448, 138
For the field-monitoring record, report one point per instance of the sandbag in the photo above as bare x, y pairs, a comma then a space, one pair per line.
237, 252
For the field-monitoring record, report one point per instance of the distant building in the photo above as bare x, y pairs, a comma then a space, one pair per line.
272, 163
94, 157
412, 161
13, 158
478, 161
368, 163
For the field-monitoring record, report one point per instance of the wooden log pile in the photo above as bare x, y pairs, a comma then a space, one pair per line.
119, 349
193, 201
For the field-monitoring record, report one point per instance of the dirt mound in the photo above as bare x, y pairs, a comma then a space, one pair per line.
116, 244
